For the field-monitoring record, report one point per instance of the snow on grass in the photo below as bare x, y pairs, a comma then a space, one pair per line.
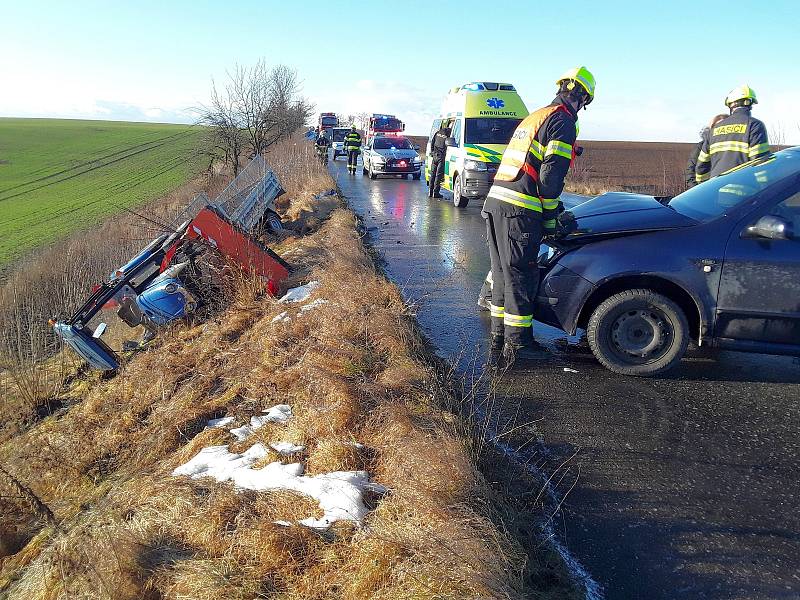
286, 447
277, 414
300, 294
219, 423
340, 494
312, 305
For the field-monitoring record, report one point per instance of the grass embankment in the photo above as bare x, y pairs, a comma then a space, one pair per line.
363, 397
59, 176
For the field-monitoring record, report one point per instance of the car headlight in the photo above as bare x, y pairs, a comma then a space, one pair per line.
475, 165
379, 159
417, 160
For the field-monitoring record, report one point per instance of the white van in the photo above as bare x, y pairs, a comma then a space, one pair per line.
482, 116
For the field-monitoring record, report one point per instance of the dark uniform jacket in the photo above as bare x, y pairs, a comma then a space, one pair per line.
352, 141
556, 138
730, 143
691, 165
439, 143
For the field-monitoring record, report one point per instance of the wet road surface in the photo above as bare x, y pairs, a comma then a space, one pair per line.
684, 486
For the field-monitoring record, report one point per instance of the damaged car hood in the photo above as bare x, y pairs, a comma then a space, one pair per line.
619, 213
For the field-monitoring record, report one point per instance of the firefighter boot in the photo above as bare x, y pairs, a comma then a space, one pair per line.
513, 353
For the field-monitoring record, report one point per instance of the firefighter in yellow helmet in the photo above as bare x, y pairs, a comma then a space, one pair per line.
733, 140
522, 206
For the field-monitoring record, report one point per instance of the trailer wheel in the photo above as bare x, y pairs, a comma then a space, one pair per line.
273, 222
638, 332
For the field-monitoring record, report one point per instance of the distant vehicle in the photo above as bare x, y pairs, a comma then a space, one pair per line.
391, 155
337, 141
380, 124
482, 116
718, 264
327, 121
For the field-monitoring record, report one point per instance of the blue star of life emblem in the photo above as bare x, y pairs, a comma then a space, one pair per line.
495, 103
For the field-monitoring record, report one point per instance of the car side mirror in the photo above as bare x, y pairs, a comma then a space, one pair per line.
771, 228
450, 142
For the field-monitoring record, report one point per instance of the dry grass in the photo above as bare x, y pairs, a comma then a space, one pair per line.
353, 370
646, 167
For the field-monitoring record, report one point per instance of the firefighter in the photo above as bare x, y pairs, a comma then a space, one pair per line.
352, 145
733, 141
691, 165
438, 152
522, 206
322, 144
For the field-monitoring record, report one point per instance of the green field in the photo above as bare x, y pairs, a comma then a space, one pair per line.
60, 176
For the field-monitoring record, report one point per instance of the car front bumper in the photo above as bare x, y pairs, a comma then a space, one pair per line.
562, 294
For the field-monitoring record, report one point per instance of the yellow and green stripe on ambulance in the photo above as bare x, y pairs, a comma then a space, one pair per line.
482, 117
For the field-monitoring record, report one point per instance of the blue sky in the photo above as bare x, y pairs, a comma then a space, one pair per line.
663, 69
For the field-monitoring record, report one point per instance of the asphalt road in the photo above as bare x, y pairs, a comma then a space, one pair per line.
684, 486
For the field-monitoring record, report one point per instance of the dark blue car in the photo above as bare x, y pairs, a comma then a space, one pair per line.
719, 264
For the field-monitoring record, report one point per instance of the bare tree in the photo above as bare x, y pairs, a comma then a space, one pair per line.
259, 106
224, 139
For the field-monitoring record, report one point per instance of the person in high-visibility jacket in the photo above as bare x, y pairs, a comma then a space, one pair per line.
733, 141
522, 206
352, 145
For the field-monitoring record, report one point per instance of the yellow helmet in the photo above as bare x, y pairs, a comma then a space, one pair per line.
743, 92
580, 75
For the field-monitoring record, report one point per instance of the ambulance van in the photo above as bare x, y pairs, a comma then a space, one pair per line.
482, 117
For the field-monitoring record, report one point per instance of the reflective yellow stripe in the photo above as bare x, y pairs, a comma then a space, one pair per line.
699, 178
518, 320
758, 149
729, 147
514, 155
516, 198
550, 203
508, 170
703, 157
559, 149
536, 149
497, 311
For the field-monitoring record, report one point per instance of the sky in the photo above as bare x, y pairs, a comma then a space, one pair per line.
663, 69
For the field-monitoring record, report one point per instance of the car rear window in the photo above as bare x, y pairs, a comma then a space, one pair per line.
490, 131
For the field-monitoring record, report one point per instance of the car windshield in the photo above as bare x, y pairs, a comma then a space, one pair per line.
392, 143
338, 134
329, 120
490, 131
386, 124
720, 195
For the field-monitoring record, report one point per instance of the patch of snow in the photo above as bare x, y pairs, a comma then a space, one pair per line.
286, 447
312, 305
340, 494
300, 294
282, 318
284, 523
280, 413
568, 370
277, 414
219, 423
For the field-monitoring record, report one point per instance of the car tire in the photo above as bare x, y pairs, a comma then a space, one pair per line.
372, 174
459, 200
363, 168
416, 176
638, 332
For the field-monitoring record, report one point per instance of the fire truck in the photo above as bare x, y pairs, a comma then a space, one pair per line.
327, 121
380, 124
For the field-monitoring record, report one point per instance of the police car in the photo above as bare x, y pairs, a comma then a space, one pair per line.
391, 155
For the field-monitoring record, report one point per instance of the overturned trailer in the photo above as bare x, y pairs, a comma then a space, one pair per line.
176, 273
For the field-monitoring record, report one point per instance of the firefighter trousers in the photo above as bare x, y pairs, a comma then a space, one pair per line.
352, 160
437, 173
513, 248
